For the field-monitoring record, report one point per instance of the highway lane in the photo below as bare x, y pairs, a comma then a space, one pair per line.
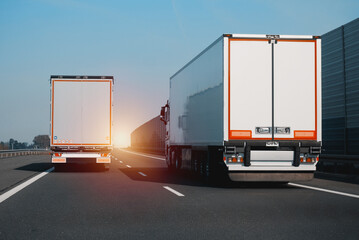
121, 203
15, 170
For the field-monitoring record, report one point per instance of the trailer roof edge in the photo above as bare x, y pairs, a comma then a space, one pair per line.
195, 58
80, 77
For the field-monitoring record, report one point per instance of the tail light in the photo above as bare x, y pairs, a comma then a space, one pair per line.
233, 159
311, 160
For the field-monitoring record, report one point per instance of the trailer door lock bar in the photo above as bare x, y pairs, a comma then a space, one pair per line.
269, 130
272, 144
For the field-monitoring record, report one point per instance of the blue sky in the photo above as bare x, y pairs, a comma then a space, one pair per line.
140, 43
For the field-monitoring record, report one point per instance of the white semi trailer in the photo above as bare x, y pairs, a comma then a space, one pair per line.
249, 106
81, 119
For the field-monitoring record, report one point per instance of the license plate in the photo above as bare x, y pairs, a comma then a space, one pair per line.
272, 144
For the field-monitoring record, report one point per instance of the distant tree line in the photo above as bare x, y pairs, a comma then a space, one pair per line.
40, 141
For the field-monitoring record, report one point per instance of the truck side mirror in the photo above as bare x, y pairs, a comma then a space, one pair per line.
162, 112
162, 115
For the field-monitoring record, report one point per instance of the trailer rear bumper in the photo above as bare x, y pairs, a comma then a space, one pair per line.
83, 157
270, 176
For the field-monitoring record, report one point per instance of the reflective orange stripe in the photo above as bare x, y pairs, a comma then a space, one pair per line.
59, 160
239, 134
103, 160
304, 134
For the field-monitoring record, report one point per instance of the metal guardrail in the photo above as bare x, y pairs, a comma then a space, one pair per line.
22, 152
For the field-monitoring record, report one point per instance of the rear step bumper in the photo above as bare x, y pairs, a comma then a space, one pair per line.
297, 146
81, 157
270, 176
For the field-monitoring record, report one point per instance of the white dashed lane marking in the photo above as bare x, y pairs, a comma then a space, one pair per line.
141, 173
173, 191
324, 190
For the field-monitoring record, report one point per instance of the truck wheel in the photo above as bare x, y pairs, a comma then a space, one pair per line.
178, 162
207, 170
202, 167
168, 159
171, 156
195, 165
196, 168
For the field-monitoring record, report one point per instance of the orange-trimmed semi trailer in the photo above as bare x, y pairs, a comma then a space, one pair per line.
248, 106
81, 119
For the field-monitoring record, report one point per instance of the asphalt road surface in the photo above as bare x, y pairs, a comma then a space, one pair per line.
139, 199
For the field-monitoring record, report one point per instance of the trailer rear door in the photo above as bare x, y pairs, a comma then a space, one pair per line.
250, 84
295, 82
272, 89
81, 112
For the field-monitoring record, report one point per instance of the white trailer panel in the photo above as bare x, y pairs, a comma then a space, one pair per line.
194, 102
273, 85
81, 112
248, 70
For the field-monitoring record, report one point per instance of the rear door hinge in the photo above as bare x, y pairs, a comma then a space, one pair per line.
272, 38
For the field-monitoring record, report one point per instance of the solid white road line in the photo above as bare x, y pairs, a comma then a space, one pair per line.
141, 173
144, 155
128, 166
173, 191
121, 162
324, 190
23, 185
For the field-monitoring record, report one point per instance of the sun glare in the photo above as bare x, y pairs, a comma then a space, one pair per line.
121, 140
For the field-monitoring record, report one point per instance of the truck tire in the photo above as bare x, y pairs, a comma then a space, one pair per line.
195, 163
168, 158
208, 171
178, 161
171, 157
202, 165
213, 172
